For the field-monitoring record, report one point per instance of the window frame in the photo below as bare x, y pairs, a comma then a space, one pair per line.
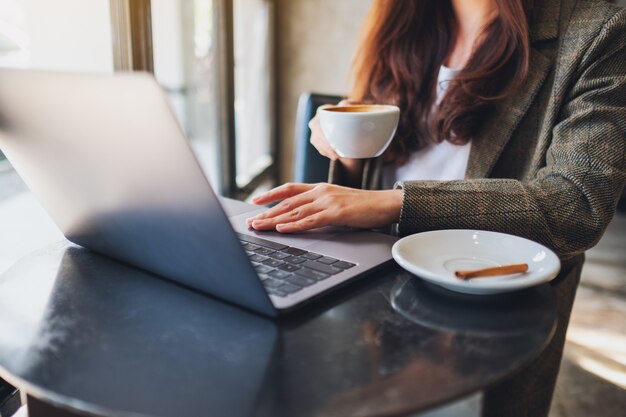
132, 50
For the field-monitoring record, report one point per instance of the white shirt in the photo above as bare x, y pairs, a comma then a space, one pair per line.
443, 161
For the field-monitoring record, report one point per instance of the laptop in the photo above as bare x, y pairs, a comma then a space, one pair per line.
107, 159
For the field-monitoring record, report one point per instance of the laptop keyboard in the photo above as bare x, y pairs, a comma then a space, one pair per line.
285, 270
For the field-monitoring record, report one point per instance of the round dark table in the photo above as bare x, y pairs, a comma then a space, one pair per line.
88, 334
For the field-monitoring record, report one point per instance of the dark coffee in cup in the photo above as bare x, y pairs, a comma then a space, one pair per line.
358, 108
361, 130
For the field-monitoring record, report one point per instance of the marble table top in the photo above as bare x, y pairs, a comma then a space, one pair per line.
86, 333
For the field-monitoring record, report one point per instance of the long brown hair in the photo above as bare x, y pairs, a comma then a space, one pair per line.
404, 44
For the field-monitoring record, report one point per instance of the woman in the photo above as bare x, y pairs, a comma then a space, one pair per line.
529, 117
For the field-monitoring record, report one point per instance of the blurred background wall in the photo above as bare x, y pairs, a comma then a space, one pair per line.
316, 40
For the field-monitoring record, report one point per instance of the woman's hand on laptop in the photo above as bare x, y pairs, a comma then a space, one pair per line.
310, 206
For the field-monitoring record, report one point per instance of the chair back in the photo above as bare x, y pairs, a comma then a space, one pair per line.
310, 166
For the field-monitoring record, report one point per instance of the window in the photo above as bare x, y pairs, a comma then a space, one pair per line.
254, 87
70, 35
186, 51
214, 59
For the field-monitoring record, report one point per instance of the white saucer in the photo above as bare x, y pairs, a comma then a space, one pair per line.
435, 256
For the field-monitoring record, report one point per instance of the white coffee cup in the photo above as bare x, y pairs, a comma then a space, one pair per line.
359, 131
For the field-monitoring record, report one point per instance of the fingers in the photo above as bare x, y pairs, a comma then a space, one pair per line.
319, 141
323, 147
294, 215
313, 221
290, 205
282, 192
300, 212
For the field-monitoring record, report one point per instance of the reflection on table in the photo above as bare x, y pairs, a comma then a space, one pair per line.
91, 334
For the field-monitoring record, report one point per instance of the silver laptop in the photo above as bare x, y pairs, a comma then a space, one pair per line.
107, 159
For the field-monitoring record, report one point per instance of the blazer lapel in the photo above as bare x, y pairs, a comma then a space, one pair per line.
488, 146
544, 24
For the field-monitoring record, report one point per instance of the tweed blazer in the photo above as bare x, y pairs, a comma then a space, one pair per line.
551, 162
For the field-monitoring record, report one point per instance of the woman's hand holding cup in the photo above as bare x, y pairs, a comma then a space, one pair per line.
319, 140
354, 131
351, 132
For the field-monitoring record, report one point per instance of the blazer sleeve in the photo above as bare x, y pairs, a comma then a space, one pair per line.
569, 202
